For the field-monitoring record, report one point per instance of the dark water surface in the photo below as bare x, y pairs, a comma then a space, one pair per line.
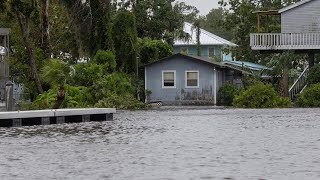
169, 144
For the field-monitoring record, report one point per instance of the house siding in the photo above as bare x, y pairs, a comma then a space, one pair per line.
192, 50
180, 65
302, 19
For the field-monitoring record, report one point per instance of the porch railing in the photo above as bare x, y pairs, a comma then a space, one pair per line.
284, 41
299, 84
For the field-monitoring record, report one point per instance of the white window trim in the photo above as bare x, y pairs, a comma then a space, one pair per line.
214, 51
175, 80
186, 76
184, 47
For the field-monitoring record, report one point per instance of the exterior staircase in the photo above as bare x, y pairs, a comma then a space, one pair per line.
300, 84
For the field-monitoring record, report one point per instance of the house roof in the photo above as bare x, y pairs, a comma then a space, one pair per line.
249, 65
206, 38
292, 6
197, 58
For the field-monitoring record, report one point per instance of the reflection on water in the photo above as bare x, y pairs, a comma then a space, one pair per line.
169, 144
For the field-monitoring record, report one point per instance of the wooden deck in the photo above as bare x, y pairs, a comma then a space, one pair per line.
285, 41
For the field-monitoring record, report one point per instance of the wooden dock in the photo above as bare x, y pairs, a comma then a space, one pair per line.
56, 116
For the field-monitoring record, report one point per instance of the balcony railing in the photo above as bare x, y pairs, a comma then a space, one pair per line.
284, 41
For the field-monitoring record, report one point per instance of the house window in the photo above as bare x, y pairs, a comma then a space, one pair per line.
192, 79
168, 79
211, 52
184, 50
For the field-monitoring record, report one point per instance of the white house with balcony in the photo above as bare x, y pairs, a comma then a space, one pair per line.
300, 32
300, 28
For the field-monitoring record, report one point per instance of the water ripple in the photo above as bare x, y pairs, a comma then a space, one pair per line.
169, 144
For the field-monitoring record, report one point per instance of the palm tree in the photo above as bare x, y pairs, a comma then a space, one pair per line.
55, 73
196, 26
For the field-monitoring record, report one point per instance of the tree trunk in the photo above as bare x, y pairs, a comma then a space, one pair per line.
45, 28
25, 30
60, 98
311, 59
198, 40
285, 81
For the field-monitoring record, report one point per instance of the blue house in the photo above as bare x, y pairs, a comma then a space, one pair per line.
186, 79
211, 48
211, 45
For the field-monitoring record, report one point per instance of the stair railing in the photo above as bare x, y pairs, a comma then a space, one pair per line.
299, 84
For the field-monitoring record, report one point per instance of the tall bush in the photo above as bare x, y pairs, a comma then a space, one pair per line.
106, 58
260, 96
314, 75
226, 94
310, 97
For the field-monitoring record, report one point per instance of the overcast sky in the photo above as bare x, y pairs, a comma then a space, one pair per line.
204, 6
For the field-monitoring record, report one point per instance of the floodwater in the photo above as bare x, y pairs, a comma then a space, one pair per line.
169, 144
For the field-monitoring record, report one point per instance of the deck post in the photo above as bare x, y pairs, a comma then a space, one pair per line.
215, 85
286, 81
45, 121
311, 59
86, 118
9, 96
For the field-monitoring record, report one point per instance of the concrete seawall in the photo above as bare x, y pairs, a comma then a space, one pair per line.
59, 116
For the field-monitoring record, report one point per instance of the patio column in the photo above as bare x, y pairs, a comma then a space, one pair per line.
215, 85
311, 59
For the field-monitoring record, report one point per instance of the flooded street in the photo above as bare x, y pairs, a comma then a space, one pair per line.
169, 144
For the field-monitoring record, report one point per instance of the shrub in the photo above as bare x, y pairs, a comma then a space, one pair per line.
106, 58
310, 97
126, 101
152, 50
86, 74
55, 72
75, 97
260, 96
115, 83
226, 93
45, 100
314, 75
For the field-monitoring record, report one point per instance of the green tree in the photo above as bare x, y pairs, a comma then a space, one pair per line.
213, 22
107, 59
314, 75
85, 74
101, 25
159, 20
152, 50
64, 42
55, 73
45, 43
125, 40
24, 11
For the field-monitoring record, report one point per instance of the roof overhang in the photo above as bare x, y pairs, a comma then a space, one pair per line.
270, 12
197, 58
206, 44
294, 5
